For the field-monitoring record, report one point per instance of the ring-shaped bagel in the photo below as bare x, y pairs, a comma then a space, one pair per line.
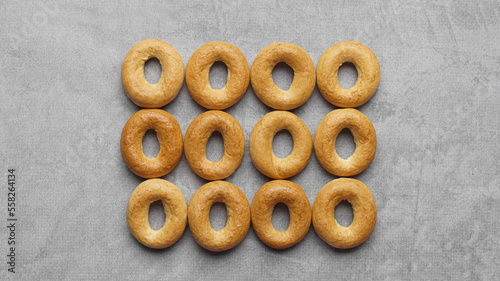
169, 137
137, 88
174, 205
238, 216
363, 206
366, 64
303, 82
364, 136
198, 69
263, 203
261, 145
195, 144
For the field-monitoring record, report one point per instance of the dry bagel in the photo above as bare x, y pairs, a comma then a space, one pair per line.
366, 64
169, 136
196, 138
363, 206
174, 205
263, 203
261, 145
303, 82
364, 137
238, 216
198, 69
137, 88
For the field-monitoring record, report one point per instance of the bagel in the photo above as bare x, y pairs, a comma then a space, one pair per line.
198, 69
174, 205
196, 138
366, 64
263, 203
364, 137
363, 206
303, 82
238, 216
261, 145
169, 137
137, 88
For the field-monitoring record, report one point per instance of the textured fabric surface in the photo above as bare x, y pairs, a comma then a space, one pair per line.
435, 177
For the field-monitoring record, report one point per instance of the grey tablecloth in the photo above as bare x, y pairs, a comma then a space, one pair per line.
435, 177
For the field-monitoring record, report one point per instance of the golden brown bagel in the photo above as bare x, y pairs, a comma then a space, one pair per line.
137, 88
303, 82
195, 144
363, 206
364, 137
174, 205
169, 136
198, 69
263, 203
238, 216
261, 145
366, 64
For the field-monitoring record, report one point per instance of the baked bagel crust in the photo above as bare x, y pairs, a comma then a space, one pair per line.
195, 143
263, 203
364, 137
169, 137
261, 145
198, 69
363, 206
303, 82
137, 88
366, 64
174, 205
238, 216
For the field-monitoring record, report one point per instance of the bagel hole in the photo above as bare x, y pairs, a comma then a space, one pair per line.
343, 213
344, 144
347, 75
218, 75
218, 216
215, 147
150, 144
282, 144
283, 76
281, 217
152, 70
156, 215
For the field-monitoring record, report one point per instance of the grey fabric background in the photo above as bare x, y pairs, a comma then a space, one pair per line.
435, 177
